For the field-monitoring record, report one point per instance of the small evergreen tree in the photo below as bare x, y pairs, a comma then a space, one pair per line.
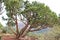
35, 16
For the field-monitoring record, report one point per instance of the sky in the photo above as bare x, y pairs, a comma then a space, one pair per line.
53, 4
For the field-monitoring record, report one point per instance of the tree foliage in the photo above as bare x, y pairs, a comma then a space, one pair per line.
12, 8
39, 14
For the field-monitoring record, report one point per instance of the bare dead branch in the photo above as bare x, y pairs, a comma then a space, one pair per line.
36, 29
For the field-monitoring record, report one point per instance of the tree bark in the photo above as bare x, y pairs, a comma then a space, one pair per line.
23, 29
17, 30
26, 31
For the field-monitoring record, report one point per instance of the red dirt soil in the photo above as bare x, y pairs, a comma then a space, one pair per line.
11, 37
